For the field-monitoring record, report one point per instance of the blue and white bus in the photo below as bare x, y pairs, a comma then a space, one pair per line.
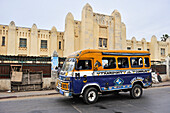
90, 72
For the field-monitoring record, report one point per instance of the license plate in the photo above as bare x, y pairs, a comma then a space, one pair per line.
61, 92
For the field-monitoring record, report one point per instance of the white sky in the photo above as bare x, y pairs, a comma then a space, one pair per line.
143, 18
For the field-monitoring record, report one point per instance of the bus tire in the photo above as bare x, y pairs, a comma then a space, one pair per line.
136, 91
90, 95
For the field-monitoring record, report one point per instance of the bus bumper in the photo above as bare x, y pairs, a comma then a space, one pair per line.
63, 92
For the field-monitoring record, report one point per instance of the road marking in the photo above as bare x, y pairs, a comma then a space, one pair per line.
76, 108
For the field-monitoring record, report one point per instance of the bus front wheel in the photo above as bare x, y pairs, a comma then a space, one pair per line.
136, 91
90, 95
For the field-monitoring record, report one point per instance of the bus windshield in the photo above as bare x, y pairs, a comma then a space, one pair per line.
69, 64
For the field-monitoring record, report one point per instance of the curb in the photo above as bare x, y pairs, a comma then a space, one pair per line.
7, 97
162, 85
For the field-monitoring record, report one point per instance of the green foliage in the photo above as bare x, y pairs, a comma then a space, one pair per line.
164, 37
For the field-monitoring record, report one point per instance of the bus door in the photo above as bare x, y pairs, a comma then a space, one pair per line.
104, 70
83, 73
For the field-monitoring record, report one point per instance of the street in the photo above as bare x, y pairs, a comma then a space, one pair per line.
154, 100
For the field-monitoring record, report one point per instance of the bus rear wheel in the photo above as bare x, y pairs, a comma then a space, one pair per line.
90, 95
136, 91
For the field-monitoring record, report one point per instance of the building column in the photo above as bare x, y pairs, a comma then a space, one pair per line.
86, 39
154, 49
117, 30
12, 44
144, 44
134, 47
53, 40
34, 45
69, 35
167, 67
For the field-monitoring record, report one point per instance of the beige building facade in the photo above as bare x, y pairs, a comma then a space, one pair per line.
95, 31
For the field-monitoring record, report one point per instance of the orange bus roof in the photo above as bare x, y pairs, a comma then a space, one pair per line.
78, 53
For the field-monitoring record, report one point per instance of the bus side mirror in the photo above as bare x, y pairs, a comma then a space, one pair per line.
76, 66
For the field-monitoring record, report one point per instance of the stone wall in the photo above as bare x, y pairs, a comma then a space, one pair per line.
5, 84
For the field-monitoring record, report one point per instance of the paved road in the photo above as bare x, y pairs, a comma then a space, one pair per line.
154, 100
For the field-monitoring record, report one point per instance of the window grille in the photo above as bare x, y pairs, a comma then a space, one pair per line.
44, 44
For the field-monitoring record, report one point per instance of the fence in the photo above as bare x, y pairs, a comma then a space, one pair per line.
5, 69
159, 68
32, 64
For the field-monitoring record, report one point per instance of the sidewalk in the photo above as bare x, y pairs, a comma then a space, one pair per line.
5, 95
161, 84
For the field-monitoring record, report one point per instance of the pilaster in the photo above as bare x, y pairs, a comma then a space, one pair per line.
12, 44
69, 35
34, 41
86, 38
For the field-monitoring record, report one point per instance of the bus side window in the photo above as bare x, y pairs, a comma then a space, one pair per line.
123, 63
108, 63
146, 61
84, 64
136, 62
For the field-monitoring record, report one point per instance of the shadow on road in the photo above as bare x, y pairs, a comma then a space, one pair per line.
101, 99
111, 103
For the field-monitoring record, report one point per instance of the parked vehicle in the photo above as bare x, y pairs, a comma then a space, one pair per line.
89, 72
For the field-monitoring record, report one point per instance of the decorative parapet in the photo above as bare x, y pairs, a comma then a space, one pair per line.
102, 19
22, 48
163, 44
43, 50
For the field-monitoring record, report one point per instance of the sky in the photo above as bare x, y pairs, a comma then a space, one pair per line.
143, 18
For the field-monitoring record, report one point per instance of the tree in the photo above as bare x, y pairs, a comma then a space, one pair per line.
164, 37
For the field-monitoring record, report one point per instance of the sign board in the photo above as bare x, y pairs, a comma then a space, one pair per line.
54, 63
16, 76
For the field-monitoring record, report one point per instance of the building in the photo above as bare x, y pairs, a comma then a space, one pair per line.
97, 31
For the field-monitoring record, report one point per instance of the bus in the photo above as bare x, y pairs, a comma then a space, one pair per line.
91, 72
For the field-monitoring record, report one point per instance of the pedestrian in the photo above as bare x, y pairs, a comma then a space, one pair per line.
154, 76
159, 77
